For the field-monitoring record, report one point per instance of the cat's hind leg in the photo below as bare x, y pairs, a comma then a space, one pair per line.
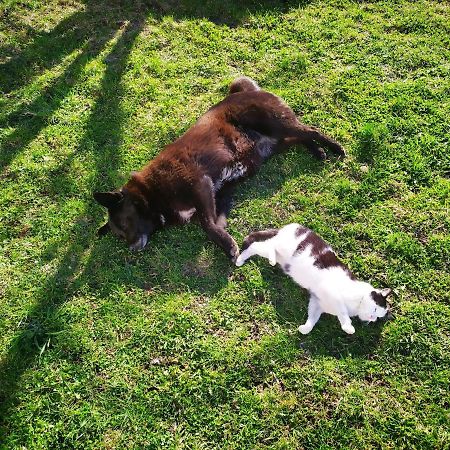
314, 313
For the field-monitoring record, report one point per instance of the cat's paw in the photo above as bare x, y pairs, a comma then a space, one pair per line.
349, 329
304, 329
240, 261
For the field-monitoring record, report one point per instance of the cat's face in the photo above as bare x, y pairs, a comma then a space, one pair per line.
374, 305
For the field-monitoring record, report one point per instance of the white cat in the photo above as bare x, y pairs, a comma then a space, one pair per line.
311, 262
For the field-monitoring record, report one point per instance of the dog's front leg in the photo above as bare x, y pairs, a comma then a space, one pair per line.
224, 202
206, 210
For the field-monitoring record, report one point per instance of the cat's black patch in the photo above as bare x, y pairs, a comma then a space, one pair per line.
258, 236
317, 244
379, 299
325, 258
300, 230
329, 259
287, 268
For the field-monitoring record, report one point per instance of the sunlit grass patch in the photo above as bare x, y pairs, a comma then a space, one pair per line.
173, 347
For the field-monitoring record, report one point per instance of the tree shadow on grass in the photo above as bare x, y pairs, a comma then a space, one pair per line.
98, 20
91, 27
88, 30
83, 31
70, 274
83, 263
224, 12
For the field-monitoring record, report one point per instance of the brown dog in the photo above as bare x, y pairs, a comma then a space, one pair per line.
196, 173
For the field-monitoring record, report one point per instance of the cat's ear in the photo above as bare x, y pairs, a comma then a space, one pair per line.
385, 292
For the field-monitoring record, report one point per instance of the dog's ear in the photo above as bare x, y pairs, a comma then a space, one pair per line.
103, 229
108, 199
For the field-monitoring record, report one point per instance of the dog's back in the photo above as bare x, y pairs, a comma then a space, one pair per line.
195, 173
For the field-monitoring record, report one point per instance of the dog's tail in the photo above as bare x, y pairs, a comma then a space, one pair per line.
242, 84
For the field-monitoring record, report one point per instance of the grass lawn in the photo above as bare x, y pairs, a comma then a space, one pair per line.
173, 347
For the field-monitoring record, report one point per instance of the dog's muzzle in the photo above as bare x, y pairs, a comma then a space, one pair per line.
140, 243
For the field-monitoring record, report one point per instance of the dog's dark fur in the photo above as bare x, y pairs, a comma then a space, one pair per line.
199, 169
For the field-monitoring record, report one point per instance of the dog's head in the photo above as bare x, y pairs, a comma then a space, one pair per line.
129, 217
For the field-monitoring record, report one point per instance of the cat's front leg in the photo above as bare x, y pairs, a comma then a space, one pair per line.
346, 323
258, 248
314, 313
243, 257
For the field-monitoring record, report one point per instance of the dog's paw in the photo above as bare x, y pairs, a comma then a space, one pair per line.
234, 253
321, 154
337, 149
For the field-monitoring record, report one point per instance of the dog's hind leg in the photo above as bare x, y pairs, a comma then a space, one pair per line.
311, 137
312, 146
312, 134
269, 116
206, 210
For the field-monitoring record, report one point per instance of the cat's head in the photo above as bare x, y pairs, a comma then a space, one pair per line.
374, 305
